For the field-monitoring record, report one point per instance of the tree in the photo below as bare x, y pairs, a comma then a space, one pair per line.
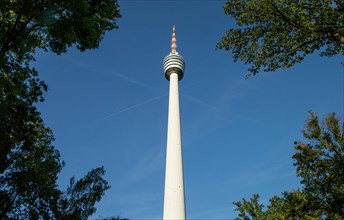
29, 163
79, 199
320, 165
54, 25
275, 34
28, 187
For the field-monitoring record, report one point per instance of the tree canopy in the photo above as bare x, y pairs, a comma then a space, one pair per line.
275, 34
54, 25
29, 163
320, 165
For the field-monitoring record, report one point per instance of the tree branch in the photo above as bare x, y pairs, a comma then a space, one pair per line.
6, 43
293, 23
10, 41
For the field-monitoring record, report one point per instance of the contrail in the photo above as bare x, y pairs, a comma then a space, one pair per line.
132, 81
199, 101
115, 73
139, 104
129, 108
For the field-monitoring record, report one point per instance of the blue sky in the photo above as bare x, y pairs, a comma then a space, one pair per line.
109, 107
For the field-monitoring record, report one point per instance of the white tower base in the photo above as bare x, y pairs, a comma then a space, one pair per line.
174, 203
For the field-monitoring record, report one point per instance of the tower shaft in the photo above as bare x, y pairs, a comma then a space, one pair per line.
174, 202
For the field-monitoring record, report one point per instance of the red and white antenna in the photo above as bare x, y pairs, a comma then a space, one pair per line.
174, 40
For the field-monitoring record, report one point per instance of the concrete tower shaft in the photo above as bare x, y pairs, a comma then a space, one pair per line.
174, 201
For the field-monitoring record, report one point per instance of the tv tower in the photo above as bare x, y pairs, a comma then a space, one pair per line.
174, 202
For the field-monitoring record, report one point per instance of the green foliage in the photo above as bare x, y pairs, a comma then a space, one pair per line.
28, 187
29, 163
54, 25
20, 88
293, 205
250, 208
320, 165
81, 196
274, 34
